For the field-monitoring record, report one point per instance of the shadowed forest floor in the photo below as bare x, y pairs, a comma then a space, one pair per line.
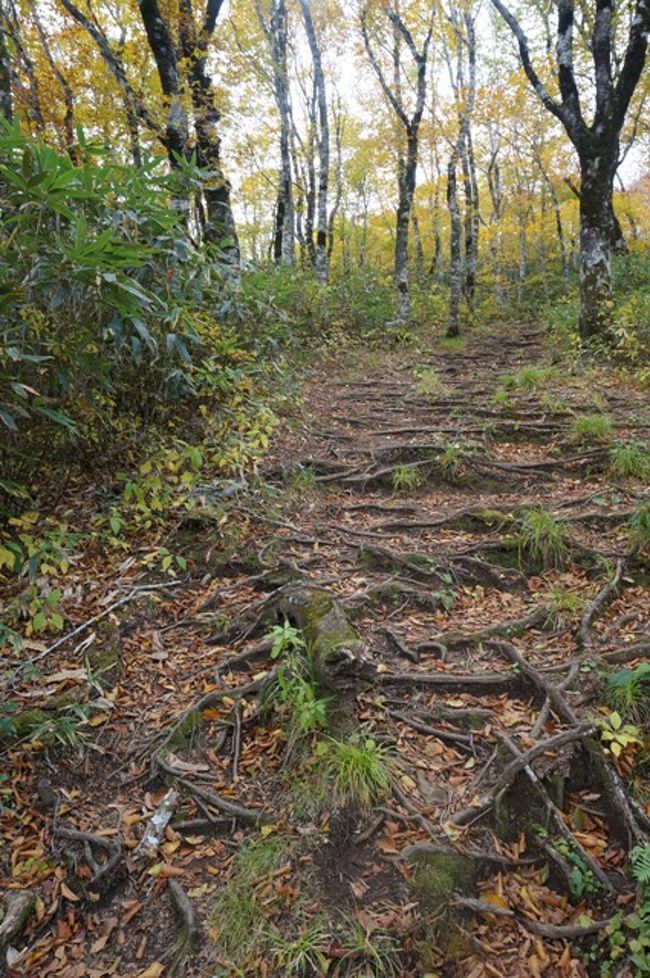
450, 549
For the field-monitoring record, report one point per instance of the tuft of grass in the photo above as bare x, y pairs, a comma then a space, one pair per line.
451, 459
305, 954
553, 403
639, 535
302, 478
452, 343
594, 429
405, 478
628, 692
501, 398
358, 770
239, 912
527, 378
543, 539
562, 605
630, 460
370, 954
429, 381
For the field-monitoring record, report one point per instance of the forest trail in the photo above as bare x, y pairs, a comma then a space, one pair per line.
391, 520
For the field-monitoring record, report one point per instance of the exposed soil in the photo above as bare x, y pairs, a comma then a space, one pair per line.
401, 499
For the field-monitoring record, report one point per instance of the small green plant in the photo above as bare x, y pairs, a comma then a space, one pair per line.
543, 539
301, 479
553, 403
358, 769
501, 398
581, 879
369, 954
640, 529
626, 939
630, 460
429, 381
562, 605
528, 378
63, 728
451, 459
296, 688
594, 429
616, 735
240, 914
285, 638
405, 478
628, 692
304, 955
452, 343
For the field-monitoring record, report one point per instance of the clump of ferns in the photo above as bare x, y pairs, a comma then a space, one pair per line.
628, 692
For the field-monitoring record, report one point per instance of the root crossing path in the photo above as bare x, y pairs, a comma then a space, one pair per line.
365, 736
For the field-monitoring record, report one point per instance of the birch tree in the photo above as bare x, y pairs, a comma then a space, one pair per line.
597, 140
275, 28
410, 123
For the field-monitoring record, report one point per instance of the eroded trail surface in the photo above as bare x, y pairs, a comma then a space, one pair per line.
370, 708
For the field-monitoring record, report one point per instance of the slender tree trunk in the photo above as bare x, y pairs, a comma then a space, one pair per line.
419, 250
6, 104
455, 249
68, 119
408, 169
322, 252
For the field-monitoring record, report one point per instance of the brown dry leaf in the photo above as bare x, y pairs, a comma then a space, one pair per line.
154, 970
68, 893
109, 926
133, 907
97, 719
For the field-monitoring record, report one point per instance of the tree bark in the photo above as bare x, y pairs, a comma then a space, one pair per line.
275, 29
322, 251
68, 119
407, 163
595, 247
218, 219
455, 250
597, 144
6, 103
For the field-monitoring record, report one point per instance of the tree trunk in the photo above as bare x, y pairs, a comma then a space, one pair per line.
455, 250
6, 105
217, 217
408, 169
321, 258
596, 234
419, 250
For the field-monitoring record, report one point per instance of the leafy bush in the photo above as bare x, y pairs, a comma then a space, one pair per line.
108, 315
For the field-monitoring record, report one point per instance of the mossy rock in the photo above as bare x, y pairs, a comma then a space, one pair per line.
329, 636
485, 517
28, 720
105, 656
438, 876
436, 879
187, 730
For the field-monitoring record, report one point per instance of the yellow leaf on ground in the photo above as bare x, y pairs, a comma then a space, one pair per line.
154, 970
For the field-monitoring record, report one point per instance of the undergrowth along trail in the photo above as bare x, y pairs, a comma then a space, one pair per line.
371, 730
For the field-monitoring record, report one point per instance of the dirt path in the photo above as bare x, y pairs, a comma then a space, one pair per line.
460, 643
